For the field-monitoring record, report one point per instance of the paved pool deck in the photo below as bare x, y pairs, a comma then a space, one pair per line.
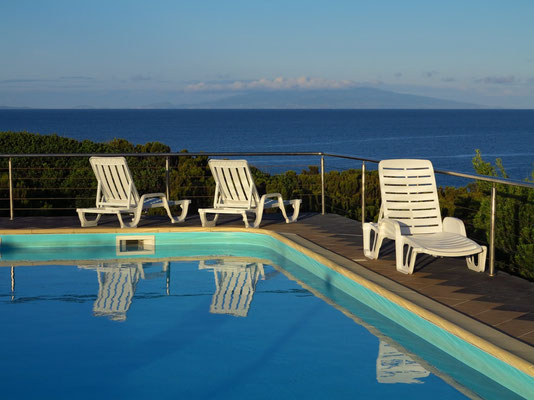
502, 302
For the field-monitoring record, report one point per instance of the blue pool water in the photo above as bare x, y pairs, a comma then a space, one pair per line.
185, 343
109, 326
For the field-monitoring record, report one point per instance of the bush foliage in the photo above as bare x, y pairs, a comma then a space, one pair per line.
57, 185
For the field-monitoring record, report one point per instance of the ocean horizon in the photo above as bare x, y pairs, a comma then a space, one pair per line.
448, 138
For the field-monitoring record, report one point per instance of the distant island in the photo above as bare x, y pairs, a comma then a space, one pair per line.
351, 98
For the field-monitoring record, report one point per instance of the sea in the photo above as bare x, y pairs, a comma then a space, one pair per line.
448, 138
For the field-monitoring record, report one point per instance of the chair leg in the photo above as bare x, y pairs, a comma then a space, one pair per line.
137, 216
245, 220
377, 245
405, 264
296, 209
371, 250
366, 230
481, 265
259, 216
204, 219
282, 208
119, 216
184, 204
85, 223
135, 219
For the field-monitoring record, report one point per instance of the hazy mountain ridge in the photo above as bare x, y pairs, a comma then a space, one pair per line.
355, 98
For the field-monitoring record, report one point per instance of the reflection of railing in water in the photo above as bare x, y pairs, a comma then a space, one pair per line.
12, 283
117, 283
392, 366
235, 284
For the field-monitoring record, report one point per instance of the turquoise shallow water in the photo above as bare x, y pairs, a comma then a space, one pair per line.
234, 327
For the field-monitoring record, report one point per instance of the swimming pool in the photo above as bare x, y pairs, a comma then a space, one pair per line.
224, 323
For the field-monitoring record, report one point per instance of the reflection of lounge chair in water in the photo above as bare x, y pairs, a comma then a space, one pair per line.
393, 366
117, 283
235, 285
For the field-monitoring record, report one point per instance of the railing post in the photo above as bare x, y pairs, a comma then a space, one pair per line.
167, 179
11, 210
492, 231
322, 186
363, 192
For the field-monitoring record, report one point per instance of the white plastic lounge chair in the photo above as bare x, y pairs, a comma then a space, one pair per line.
236, 193
411, 216
116, 194
235, 284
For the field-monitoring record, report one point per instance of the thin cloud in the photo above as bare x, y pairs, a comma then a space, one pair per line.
61, 79
498, 80
24, 80
448, 80
279, 83
76, 78
141, 78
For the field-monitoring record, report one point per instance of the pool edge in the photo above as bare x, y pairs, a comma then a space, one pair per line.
413, 302
491, 343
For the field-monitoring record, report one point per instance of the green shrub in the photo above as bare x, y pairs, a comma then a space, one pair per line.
57, 185
514, 220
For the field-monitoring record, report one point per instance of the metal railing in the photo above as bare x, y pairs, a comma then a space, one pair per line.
493, 180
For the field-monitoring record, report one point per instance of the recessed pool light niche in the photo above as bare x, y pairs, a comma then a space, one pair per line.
135, 245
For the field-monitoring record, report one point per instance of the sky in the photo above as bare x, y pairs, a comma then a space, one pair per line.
128, 53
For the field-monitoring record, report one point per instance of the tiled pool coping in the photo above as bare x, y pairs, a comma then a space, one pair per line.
498, 345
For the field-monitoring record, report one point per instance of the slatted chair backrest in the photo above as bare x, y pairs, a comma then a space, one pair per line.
234, 184
115, 183
409, 195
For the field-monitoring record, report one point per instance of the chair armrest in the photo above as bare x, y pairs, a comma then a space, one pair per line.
454, 225
269, 195
277, 196
150, 196
390, 228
